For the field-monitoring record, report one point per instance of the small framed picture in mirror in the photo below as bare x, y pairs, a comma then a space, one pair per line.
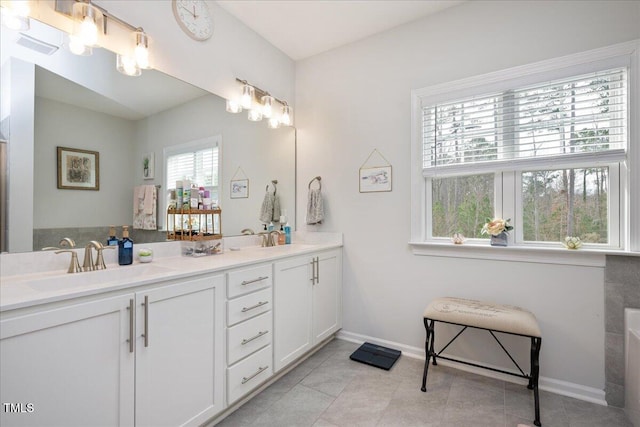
78, 169
148, 166
239, 189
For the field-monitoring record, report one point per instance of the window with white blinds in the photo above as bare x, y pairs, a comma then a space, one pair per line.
199, 166
581, 119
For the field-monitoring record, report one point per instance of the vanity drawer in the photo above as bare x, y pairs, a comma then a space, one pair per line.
249, 306
247, 337
248, 374
247, 280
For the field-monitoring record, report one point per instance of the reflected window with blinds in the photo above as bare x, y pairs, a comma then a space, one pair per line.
196, 163
547, 154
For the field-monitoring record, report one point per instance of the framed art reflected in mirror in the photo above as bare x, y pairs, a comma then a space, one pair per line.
78, 169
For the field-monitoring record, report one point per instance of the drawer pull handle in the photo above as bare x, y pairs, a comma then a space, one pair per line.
248, 340
259, 304
248, 282
260, 370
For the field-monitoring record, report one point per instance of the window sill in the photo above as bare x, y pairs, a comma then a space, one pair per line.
580, 257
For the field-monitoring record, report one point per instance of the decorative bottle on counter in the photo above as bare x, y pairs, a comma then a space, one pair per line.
112, 240
281, 236
287, 234
125, 248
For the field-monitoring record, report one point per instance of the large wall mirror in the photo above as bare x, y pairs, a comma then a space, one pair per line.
52, 98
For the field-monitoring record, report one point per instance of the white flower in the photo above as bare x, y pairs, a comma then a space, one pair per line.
496, 226
571, 242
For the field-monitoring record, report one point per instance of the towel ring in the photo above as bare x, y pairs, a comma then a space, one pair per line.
317, 178
275, 189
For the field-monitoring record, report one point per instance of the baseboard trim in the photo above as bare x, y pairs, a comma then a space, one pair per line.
564, 388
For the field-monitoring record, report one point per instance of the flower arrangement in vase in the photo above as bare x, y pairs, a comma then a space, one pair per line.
499, 229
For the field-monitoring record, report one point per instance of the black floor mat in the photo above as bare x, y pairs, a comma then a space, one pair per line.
376, 355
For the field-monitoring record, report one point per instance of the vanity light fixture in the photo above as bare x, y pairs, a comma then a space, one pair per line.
15, 15
264, 108
248, 92
141, 51
76, 47
233, 106
285, 119
88, 22
255, 115
273, 123
267, 106
128, 65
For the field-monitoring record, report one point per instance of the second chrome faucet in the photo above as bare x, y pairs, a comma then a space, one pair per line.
89, 264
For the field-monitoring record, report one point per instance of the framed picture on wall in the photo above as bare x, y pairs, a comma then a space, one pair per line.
239, 188
375, 179
78, 169
148, 166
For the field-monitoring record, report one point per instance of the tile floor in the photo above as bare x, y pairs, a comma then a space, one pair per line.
330, 390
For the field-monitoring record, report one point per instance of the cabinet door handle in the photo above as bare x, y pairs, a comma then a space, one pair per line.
248, 282
317, 269
132, 331
248, 340
146, 320
259, 304
313, 271
260, 370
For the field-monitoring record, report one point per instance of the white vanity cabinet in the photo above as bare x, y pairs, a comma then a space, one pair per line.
308, 303
68, 365
179, 353
76, 365
249, 329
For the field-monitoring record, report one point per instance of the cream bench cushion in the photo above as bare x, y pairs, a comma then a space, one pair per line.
482, 314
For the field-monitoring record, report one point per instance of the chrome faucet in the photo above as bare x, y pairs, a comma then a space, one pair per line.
89, 264
274, 241
267, 238
64, 242
74, 266
100, 265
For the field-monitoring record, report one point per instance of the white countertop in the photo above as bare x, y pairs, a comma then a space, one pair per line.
41, 287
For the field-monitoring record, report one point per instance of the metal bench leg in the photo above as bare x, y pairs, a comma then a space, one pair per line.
535, 374
428, 350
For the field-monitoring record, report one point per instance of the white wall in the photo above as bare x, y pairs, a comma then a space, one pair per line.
57, 124
357, 98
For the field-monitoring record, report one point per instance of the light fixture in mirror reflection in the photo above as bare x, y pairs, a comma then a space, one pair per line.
82, 102
260, 105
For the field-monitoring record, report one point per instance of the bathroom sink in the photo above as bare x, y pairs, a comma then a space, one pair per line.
98, 277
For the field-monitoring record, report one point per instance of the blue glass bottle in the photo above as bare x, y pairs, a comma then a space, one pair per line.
112, 240
125, 248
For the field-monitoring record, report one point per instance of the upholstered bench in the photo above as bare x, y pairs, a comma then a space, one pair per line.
491, 317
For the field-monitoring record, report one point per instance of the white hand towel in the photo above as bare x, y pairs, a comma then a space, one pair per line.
266, 211
315, 207
276, 208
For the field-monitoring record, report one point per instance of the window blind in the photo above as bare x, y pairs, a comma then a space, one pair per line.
200, 166
577, 119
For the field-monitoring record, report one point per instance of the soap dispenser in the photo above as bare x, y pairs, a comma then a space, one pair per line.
125, 248
287, 234
112, 240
